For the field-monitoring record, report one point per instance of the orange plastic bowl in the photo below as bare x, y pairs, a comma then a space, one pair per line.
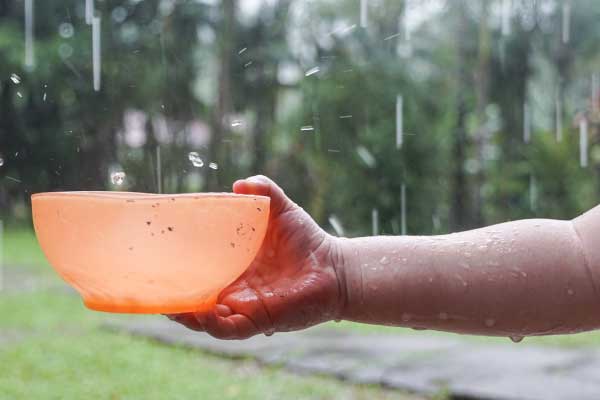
149, 253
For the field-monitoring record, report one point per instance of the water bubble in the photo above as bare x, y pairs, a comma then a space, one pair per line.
489, 322
117, 178
65, 30
312, 71
384, 260
516, 339
307, 128
213, 165
16, 79
195, 159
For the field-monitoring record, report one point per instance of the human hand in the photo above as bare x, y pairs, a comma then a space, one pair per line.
294, 282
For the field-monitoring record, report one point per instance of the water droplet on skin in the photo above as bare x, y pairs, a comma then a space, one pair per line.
195, 159
483, 247
384, 260
213, 165
337, 321
443, 316
516, 339
16, 79
570, 292
117, 178
404, 260
406, 317
269, 332
489, 322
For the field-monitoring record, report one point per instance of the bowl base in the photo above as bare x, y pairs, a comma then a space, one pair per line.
129, 308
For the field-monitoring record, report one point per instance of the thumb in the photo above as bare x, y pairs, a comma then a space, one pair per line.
262, 186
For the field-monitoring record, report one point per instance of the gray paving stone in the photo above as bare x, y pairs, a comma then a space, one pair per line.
420, 364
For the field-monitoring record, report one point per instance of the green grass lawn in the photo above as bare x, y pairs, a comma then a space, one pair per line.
51, 347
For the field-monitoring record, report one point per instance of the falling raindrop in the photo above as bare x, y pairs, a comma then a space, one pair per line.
195, 159
583, 142
236, 123
336, 225
375, 221
1, 161
364, 13
345, 116
399, 122
117, 178
242, 50
312, 71
89, 11
595, 92
403, 209
532, 192
384, 260
307, 128
213, 165
506, 15
558, 117
16, 79
96, 52
29, 50
526, 123
20, 95
158, 171
566, 21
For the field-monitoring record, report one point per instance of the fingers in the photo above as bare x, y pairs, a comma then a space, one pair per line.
220, 323
263, 186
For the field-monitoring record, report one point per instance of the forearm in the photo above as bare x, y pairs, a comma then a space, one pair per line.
527, 277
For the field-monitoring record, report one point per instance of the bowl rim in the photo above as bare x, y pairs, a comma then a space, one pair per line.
115, 195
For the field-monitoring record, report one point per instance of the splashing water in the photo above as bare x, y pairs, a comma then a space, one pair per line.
366, 156
117, 178
312, 71
213, 165
1, 161
307, 128
336, 225
195, 159
16, 79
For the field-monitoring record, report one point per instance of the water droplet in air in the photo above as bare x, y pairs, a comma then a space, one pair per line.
489, 322
195, 159
307, 128
312, 71
19, 94
1, 161
516, 339
65, 30
16, 79
384, 260
213, 165
117, 178
236, 123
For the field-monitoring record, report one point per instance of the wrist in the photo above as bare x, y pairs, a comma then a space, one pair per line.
341, 256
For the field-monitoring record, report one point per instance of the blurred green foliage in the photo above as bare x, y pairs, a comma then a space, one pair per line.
227, 79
